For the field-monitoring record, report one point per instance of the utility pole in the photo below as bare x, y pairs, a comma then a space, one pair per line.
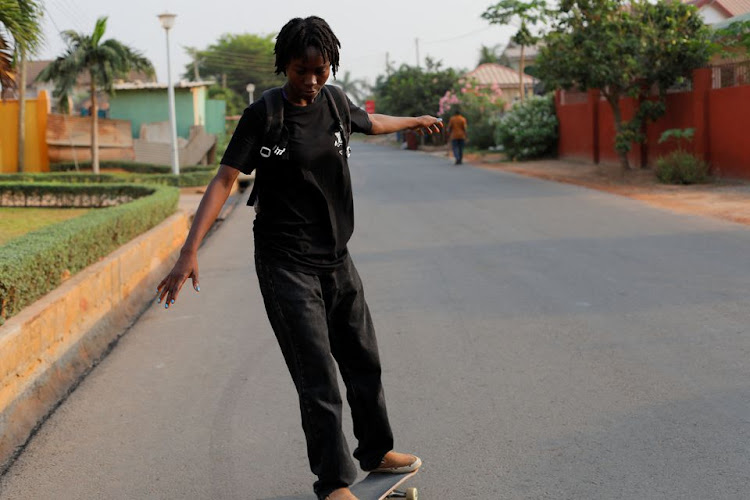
388, 63
416, 40
196, 74
167, 22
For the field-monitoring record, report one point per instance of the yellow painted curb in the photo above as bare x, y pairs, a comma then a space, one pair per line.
51, 344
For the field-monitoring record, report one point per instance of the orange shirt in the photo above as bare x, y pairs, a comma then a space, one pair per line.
457, 126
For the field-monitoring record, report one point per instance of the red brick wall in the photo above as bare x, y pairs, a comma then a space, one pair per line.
721, 119
729, 131
576, 132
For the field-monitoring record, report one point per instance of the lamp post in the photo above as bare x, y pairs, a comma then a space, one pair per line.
167, 22
250, 89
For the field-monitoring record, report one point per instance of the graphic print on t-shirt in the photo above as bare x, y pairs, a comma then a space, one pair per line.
338, 142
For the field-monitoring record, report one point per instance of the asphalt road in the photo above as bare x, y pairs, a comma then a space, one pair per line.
539, 341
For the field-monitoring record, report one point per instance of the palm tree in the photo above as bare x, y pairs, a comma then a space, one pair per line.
103, 60
356, 89
20, 19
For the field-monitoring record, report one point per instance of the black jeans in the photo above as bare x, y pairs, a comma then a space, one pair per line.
319, 318
458, 149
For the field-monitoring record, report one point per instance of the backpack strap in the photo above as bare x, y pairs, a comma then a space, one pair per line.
273, 142
339, 104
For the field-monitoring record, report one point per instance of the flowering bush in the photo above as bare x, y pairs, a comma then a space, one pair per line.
529, 129
481, 105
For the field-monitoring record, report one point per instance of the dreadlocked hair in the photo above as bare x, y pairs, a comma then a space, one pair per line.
300, 34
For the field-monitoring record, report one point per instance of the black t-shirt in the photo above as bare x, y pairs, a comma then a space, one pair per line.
305, 209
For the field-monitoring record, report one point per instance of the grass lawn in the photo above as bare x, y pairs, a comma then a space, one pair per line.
17, 221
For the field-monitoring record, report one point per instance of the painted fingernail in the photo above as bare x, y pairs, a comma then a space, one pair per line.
158, 301
172, 301
198, 288
166, 306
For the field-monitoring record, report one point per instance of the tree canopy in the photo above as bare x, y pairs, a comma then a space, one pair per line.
20, 33
237, 60
625, 49
414, 91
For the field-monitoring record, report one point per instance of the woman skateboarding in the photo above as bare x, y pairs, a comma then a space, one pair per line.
296, 138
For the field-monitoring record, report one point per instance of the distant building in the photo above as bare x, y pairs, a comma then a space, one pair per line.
512, 54
146, 106
82, 86
504, 77
717, 11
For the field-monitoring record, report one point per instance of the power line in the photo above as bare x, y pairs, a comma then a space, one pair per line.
63, 11
77, 11
465, 35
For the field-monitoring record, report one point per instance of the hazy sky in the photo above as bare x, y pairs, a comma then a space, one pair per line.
448, 30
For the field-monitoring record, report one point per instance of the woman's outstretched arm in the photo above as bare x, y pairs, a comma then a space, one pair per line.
385, 124
187, 265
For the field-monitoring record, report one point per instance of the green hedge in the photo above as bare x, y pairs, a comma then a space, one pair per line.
33, 264
130, 166
59, 195
187, 179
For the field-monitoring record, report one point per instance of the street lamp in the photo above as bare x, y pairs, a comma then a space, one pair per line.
250, 89
167, 22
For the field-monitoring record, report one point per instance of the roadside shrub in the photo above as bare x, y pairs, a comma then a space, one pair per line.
681, 167
529, 129
198, 175
129, 166
47, 194
35, 263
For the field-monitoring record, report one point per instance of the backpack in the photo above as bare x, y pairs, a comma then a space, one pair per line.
273, 143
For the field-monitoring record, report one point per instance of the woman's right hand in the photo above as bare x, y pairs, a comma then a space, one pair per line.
185, 267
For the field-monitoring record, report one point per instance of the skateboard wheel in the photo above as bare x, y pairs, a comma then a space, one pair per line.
411, 494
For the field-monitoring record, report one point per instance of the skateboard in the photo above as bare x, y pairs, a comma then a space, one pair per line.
380, 486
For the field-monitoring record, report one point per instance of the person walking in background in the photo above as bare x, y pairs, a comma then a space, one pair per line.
305, 217
457, 130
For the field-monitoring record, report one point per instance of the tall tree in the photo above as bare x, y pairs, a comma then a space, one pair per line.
235, 61
625, 50
354, 88
104, 61
530, 14
19, 18
411, 91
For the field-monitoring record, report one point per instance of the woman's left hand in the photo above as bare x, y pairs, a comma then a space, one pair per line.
427, 124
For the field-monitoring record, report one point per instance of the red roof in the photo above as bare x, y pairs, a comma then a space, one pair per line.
729, 7
503, 76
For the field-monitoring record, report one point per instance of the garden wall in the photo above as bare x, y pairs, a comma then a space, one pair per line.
720, 116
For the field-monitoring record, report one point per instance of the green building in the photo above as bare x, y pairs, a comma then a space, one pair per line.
146, 103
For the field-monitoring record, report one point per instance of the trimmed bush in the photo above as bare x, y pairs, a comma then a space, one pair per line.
529, 129
130, 166
48, 194
681, 167
199, 177
36, 263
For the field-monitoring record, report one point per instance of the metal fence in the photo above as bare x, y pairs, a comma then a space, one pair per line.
731, 75
568, 97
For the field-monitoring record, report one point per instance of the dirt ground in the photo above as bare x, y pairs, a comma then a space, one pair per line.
727, 199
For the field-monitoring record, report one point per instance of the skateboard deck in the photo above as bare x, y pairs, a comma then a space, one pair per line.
379, 486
